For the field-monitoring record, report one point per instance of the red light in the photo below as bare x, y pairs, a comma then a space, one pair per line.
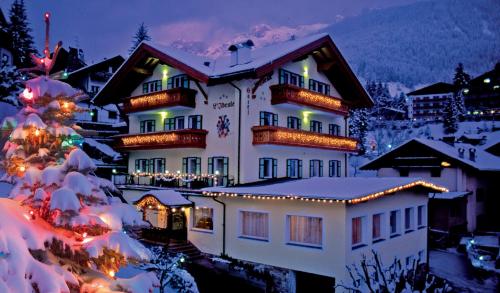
47, 15
31, 213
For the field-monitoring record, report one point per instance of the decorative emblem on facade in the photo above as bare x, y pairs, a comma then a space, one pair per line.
223, 126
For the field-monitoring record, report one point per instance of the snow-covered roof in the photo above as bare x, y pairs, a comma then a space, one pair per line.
492, 139
104, 148
350, 189
167, 197
484, 161
449, 194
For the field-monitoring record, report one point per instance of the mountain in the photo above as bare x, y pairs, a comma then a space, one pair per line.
421, 42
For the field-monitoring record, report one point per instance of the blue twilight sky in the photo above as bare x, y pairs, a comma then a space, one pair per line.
103, 28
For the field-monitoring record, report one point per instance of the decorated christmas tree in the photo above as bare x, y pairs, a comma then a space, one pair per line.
61, 229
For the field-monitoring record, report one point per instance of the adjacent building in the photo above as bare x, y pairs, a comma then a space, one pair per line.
482, 97
469, 173
427, 104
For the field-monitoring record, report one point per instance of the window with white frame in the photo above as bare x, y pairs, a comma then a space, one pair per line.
203, 218
377, 227
195, 122
254, 225
268, 168
395, 223
294, 168
357, 231
316, 126
304, 230
421, 216
409, 219
334, 129
141, 165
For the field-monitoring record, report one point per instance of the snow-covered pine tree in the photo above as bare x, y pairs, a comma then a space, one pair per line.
20, 35
460, 82
450, 116
10, 84
358, 127
140, 36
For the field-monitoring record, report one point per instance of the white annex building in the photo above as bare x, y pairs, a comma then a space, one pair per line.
257, 142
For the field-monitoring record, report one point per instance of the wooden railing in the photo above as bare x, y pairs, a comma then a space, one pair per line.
286, 93
301, 138
162, 99
183, 138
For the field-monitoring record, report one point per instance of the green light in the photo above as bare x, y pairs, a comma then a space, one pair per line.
306, 72
163, 115
114, 171
165, 73
487, 80
91, 113
305, 116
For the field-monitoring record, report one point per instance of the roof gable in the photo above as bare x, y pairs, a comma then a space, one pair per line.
437, 88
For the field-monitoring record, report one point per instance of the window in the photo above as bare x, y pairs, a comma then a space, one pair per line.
151, 86
319, 87
409, 219
268, 168
395, 223
303, 230
316, 126
287, 77
157, 165
293, 122
421, 216
147, 126
94, 89
141, 166
334, 169
219, 166
178, 81
254, 225
203, 218
435, 172
191, 165
334, 129
195, 122
377, 224
315, 168
357, 231
112, 115
404, 172
174, 123
268, 118
294, 168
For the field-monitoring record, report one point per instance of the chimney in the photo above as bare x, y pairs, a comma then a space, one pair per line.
241, 53
472, 154
461, 152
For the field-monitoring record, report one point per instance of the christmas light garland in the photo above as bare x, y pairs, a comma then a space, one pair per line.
294, 137
169, 139
329, 200
166, 98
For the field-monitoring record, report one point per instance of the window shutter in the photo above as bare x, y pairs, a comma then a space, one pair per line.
299, 124
142, 127
288, 167
261, 168
338, 168
321, 168
211, 165
320, 127
275, 168
169, 83
330, 168
151, 167
137, 166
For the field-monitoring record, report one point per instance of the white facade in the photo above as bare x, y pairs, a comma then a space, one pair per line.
224, 103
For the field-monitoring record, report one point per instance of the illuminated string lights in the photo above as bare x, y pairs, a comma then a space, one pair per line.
294, 137
195, 138
320, 199
167, 98
151, 202
285, 93
175, 175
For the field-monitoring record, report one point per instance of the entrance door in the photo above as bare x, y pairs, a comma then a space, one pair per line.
178, 228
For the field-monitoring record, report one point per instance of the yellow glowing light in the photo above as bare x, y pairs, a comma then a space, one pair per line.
163, 115
150, 206
111, 273
165, 73
174, 210
179, 138
305, 116
487, 80
183, 209
445, 164
22, 168
37, 132
84, 235
320, 100
306, 72
27, 94
66, 105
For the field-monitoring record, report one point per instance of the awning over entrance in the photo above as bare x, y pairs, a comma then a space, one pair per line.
449, 195
167, 198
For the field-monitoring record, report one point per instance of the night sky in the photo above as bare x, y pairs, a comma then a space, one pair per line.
104, 28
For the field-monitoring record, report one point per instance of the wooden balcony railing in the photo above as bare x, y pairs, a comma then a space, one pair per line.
301, 138
184, 138
167, 98
286, 93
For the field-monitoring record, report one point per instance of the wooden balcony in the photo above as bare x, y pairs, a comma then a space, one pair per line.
286, 93
168, 98
292, 137
184, 138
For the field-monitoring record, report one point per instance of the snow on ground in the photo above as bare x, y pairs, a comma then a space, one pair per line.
454, 268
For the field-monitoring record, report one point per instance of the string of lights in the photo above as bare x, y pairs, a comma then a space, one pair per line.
170, 139
320, 199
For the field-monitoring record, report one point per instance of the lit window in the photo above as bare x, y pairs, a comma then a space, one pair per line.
254, 225
203, 218
303, 230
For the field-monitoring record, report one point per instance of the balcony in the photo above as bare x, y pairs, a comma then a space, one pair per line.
286, 93
184, 138
301, 138
168, 98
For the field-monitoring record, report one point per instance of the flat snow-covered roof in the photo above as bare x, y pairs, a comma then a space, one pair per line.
348, 188
167, 197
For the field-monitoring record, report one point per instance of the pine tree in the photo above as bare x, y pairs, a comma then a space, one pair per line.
140, 36
20, 35
451, 114
358, 127
10, 85
460, 82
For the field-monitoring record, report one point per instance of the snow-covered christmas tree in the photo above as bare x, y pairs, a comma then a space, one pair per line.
61, 230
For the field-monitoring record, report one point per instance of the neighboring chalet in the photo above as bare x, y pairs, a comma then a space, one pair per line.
258, 142
470, 174
427, 104
482, 97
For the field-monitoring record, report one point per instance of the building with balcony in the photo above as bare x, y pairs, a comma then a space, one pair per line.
258, 142
482, 97
427, 104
